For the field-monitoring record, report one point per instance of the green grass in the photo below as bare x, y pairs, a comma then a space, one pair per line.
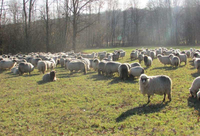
89, 104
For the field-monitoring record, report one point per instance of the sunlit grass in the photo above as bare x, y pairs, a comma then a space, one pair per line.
89, 104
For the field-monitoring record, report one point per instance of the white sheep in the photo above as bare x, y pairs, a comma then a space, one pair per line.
136, 71
49, 77
182, 57
135, 64
25, 67
95, 64
62, 62
152, 54
197, 64
76, 66
34, 61
134, 55
164, 59
147, 61
15, 70
122, 54
101, 67
195, 87
42, 66
175, 61
111, 67
123, 71
141, 57
7, 64
151, 85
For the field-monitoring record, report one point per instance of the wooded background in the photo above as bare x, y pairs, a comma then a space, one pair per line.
63, 25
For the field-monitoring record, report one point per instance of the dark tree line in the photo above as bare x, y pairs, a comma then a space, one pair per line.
63, 25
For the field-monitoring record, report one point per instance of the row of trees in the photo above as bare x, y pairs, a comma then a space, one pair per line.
62, 25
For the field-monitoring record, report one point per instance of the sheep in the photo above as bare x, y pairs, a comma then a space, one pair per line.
122, 54
34, 61
182, 57
77, 65
101, 67
147, 61
198, 95
136, 71
91, 56
50, 65
141, 57
62, 62
111, 67
7, 64
195, 87
15, 70
25, 67
116, 56
152, 55
197, 64
164, 59
87, 62
95, 64
42, 66
123, 71
151, 85
135, 64
175, 61
133, 55
49, 77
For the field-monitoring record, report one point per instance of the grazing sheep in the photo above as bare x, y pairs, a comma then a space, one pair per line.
7, 64
91, 56
135, 64
87, 62
122, 54
123, 71
147, 61
151, 85
62, 62
34, 61
152, 55
42, 66
50, 65
49, 77
95, 64
164, 59
134, 55
15, 70
195, 87
77, 65
175, 61
136, 71
116, 56
182, 57
25, 67
111, 67
197, 64
101, 67
141, 57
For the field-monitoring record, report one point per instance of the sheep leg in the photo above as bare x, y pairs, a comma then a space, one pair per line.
169, 97
148, 99
164, 97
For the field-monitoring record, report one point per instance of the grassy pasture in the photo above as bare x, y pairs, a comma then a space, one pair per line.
89, 104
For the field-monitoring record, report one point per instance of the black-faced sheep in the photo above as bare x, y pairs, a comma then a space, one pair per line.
147, 61
151, 85
49, 77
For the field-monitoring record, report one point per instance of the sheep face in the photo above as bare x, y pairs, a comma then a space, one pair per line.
52, 75
192, 92
198, 95
144, 80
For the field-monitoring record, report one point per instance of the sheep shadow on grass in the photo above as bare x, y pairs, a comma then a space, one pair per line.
41, 82
118, 80
98, 77
144, 109
195, 74
167, 68
193, 102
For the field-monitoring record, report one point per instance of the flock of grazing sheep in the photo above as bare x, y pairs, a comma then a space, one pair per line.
105, 63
